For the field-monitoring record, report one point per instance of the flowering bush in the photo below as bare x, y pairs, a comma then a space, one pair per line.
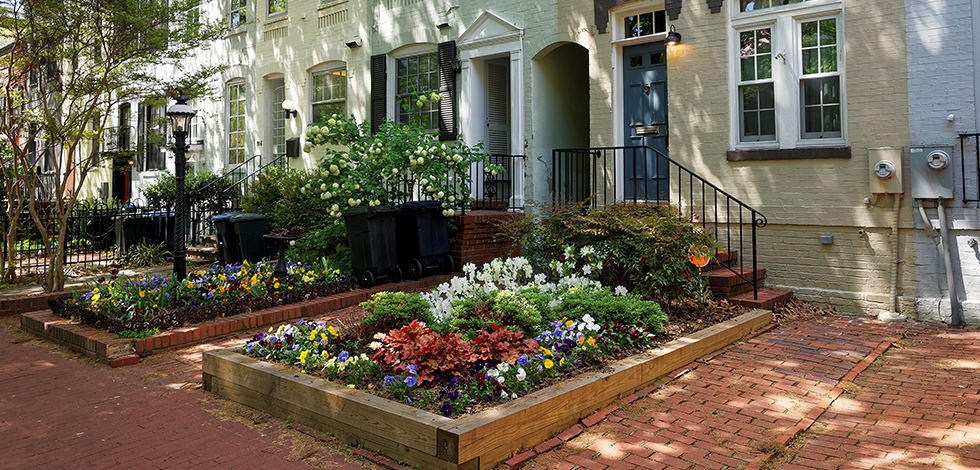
398, 163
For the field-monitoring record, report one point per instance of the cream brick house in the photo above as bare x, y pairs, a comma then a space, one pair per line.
786, 105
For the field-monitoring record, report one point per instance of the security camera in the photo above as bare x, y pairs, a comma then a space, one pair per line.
356, 42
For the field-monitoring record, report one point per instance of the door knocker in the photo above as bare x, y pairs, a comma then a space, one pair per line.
646, 89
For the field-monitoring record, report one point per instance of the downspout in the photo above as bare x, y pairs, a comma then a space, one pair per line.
893, 315
956, 319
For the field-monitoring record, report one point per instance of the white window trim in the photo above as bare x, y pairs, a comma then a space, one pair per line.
228, 14
226, 161
327, 68
784, 22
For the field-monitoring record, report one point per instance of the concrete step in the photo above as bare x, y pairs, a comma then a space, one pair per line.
206, 253
768, 298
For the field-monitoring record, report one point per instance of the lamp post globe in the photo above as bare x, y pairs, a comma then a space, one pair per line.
180, 116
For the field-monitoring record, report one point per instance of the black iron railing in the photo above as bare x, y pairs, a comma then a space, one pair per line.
616, 175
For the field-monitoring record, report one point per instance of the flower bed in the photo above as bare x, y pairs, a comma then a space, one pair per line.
159, 303
432, 441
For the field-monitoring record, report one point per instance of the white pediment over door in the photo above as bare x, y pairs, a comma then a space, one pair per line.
488, 29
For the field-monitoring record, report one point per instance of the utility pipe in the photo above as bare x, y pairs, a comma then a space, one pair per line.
896, 244
930, 230
956, 319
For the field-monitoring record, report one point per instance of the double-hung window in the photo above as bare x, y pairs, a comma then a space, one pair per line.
329, 95
236, 15
236, 123
276, 7
787, 74
417, 75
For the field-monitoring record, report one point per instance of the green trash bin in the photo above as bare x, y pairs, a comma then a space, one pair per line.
249, 229
373, 246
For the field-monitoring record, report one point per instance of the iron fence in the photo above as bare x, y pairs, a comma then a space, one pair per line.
598, 177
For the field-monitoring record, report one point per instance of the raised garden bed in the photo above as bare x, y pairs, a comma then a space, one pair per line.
478, 441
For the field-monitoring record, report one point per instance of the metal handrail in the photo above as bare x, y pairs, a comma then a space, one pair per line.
594, 174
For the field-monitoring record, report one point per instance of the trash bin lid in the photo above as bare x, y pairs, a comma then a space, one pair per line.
369, 211
420, 205
355, 211
225, 216
249, 217
161, 214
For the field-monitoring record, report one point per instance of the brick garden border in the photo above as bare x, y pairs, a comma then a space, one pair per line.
431, 441
105, 347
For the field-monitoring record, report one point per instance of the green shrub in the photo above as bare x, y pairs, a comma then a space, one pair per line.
278, 193
643, 247
606, 308
392, 310
329, 243
204, 190
146, 254
520, 311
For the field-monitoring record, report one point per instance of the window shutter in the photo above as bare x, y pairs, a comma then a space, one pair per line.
447, 86
141, 128
379, 92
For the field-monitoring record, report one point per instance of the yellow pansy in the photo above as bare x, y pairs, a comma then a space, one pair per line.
302, 356
548, 364
142, 294
332, 331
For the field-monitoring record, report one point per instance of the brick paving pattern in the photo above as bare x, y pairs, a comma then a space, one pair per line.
827, 394
810, 396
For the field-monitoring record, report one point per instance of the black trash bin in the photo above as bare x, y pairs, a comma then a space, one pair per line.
228, 252
132, 229
249, 229
371, 235
423, 238
161, 229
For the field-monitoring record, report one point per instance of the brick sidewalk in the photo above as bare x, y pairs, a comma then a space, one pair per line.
837, 393
67, 412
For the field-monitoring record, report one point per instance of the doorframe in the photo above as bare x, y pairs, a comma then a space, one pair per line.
616, 18
492, 37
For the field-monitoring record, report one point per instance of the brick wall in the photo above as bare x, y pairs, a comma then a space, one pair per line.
477, 238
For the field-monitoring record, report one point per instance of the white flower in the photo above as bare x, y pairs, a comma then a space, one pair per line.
503, 393
331, 122
494, 172
440, 194
423, 181
435, 97
324, 196
334, 208
335, 186
308, 148
619, 290
323, 187
521, 375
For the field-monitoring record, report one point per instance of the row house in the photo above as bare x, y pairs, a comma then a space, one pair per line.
819, 114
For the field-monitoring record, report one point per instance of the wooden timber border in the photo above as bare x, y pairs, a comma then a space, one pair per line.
431, 441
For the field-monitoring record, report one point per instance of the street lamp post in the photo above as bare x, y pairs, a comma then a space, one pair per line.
180, 116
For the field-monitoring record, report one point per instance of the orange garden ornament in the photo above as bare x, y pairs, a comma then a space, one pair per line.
700, 256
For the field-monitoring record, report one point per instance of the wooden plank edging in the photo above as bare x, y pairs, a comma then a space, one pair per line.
470, 442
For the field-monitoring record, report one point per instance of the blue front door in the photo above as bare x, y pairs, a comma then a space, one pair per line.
645, 93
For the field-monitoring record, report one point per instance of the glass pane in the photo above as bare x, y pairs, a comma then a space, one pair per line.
646, 24
828, 32
750, 121
810, 61
660, 21
831, 90
767, 123
636, 61
764, 41
657, 58
750, 98
276, 6
812, 119
831, 118
765, 67
748, 69
433, 81
828, 59
402, 67
811, 92
747, 42
631, 27
809, 32
767, 96
413, 66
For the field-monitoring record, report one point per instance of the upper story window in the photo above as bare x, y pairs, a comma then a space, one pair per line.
276, 7
645, 24
787, 73
237, 14
194, 11
416, 75
329, 95
236, 123
751, 5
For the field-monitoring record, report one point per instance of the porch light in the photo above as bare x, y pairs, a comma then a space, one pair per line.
290, 108
180, 114
673, 37
456, 64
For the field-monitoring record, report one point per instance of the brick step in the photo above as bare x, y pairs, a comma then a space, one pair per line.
727, 257
768, 298
207, 253
724, 277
